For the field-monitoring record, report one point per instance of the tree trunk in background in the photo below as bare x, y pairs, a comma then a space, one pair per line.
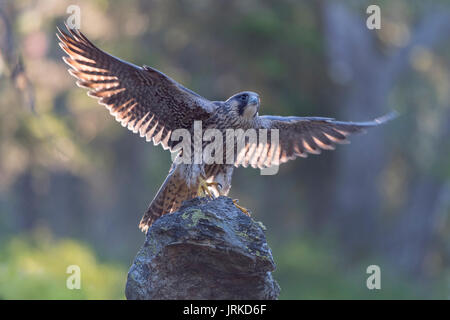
366, 77
410, 239
12, 58
355, 64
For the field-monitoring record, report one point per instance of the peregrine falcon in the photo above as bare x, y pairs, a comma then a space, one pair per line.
149, 103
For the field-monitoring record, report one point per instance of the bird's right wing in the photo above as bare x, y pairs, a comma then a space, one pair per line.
299, 136
142, 99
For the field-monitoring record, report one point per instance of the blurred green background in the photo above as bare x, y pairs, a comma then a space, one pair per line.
74, 183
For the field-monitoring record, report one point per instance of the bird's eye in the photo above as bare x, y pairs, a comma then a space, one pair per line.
244, 97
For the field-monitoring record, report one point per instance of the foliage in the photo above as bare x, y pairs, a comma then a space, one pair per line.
34, 267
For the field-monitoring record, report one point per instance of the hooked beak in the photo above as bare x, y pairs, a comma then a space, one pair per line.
254, 100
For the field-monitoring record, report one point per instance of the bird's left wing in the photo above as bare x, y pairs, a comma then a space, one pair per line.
298, 136
142, 99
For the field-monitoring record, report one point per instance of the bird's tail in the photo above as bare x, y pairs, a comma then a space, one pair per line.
168, 199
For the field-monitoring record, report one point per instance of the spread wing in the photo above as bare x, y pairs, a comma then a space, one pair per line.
142, 99
299, 136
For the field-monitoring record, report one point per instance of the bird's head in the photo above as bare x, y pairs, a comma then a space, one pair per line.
246, 104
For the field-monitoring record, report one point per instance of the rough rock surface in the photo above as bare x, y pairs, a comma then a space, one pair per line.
207, 250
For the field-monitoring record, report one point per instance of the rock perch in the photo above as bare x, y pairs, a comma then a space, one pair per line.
208, 249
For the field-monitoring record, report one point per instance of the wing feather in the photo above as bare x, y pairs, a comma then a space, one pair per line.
300, 136
142, 99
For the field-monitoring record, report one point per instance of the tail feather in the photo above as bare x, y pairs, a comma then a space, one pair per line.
168, 199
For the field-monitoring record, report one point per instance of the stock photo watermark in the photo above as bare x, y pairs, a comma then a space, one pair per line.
241, 147
74, 280
373, 282
74, 19
374, 19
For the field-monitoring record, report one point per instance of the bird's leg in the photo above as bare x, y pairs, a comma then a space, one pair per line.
203, 190
244, 210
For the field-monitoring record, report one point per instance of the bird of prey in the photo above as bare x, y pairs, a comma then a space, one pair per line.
151, 104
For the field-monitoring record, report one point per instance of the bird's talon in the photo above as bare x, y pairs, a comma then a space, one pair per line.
244, 210
203, 190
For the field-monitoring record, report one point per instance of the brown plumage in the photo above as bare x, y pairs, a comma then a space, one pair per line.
150, 103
